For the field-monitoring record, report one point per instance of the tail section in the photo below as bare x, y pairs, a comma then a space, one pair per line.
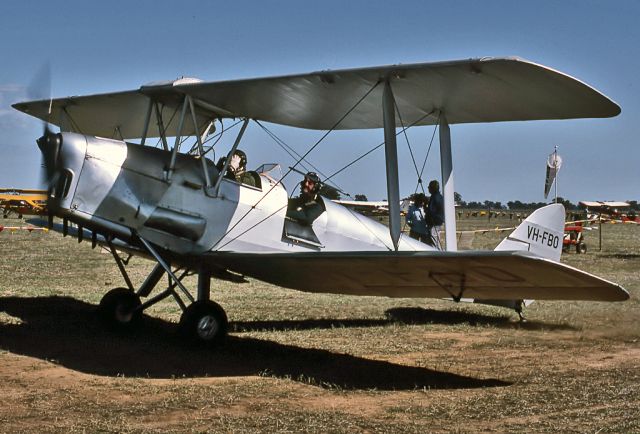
541, 233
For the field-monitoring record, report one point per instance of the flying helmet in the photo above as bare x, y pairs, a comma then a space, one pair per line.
313, 177
243, 158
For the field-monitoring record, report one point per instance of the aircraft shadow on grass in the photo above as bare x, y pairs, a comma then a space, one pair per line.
65, 331
401, 315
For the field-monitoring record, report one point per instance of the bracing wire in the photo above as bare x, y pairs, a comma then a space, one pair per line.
406, 137
290, 151
295, 155
426, 157
315, 145
378, 146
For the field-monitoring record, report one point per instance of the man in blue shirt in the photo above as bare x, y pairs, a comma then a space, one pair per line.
415, 218
435, 214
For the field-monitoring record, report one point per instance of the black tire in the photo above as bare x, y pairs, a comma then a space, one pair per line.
581, 248
119, 309
204, 323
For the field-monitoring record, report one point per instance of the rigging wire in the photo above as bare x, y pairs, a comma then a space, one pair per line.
74, 125
289, 150
164, 127
406, 137
292, 168
285, 147
426, 157
252, 226
378, 146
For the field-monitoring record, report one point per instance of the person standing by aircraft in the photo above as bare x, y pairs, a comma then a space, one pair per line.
435, 214
307, 207
415, 218
237, 170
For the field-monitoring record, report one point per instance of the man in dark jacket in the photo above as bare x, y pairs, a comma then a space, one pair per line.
308, 206
435, 214
237, 169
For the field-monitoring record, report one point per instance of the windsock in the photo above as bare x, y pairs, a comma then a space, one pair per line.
554, 162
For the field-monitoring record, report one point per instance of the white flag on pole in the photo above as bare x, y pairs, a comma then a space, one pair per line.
554, 162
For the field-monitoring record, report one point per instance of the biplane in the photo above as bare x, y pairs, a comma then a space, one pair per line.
371, 207
172, 204
610, 210
22, 202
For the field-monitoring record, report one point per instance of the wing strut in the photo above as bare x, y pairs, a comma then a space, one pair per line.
391, 160
147, 119
161, 128
203, 160
216, 187
176, 146
446, 167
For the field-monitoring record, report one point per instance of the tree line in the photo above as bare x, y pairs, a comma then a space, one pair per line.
512, 204
519, 205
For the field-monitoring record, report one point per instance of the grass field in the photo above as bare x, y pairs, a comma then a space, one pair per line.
299, 362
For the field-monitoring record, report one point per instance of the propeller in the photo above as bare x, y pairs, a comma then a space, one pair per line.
49, 145
40, 90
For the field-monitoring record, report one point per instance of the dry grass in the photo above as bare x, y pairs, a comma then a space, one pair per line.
300, 362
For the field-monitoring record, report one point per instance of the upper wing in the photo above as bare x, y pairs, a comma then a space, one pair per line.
474, 90
480, 275
117, 115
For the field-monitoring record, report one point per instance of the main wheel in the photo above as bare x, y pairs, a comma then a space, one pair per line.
204, 322
119, 309
581, 248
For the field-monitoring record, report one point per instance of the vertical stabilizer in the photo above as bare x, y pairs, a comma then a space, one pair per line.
541, 233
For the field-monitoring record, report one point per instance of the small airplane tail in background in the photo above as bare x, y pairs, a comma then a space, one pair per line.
541, 233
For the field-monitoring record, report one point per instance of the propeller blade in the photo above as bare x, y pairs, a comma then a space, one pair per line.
40, 89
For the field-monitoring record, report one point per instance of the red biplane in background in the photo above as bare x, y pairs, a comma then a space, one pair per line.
606, 211
573, 237
21, 202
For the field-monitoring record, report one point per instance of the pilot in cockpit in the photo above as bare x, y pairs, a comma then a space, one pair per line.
308, 206
237, 170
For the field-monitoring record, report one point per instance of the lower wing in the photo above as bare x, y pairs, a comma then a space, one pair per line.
504, 275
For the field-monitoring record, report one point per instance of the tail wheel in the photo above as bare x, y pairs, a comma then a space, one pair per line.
119, 309
204, 322
581, 248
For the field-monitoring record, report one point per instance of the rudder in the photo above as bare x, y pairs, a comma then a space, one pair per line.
541, 233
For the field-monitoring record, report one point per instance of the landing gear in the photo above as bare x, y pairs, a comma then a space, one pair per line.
519, 308
581, 248
203, 321
120, 309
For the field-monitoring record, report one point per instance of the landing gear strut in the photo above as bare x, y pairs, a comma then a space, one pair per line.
203, 321
519, 308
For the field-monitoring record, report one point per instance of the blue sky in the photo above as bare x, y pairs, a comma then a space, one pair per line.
96, 47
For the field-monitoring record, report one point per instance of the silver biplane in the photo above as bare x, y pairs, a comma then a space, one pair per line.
178, 209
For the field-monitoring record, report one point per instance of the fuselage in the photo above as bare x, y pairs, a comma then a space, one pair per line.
126, 190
